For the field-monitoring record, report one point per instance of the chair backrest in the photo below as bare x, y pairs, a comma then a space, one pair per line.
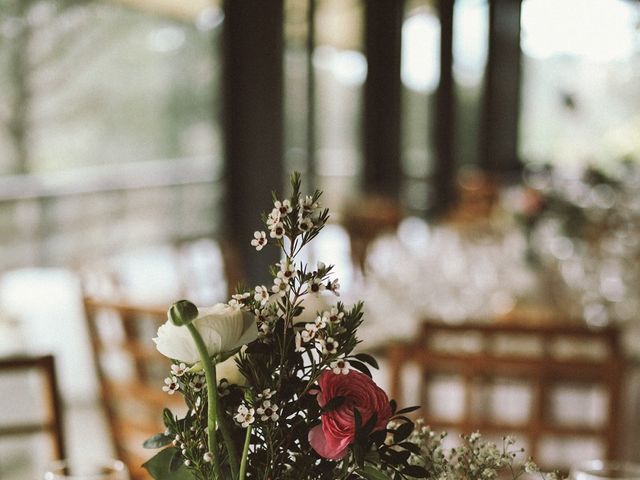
130, 372
538, 360
365, 219
49, 422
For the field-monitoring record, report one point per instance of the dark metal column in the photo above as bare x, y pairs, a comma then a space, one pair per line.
253, 123
445, 168
499, 142
311, 96
383, 28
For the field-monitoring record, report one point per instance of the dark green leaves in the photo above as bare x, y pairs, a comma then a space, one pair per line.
372, 473
360, 366
408, 410
159, 467
366, 358
334, 403
402, 432
415, 471
157, 441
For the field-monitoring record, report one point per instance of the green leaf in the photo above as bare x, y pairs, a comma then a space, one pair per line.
402, 432
372, 473
158, 467
415, 471
412, 447
408, 410
159, 440
378, 437
366, 358
361, 366
167, 418
334, 403
368, 427
176, 462
358, 420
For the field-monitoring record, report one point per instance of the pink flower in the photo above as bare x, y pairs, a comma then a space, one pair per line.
332, 438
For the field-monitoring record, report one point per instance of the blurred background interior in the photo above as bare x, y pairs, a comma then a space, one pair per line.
480, 157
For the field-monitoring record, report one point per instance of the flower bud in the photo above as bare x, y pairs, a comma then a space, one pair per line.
183, 312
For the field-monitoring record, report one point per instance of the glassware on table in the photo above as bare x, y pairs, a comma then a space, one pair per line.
605, 470
87, 470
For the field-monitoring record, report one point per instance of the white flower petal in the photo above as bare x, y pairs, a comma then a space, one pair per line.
222, 328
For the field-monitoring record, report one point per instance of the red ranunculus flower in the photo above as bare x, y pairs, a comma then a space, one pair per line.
332, 438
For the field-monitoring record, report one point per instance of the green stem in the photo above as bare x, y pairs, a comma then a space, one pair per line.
212, 397
231, 447
245, 454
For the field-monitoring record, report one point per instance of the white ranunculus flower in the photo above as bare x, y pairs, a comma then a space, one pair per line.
223, 329
229, 370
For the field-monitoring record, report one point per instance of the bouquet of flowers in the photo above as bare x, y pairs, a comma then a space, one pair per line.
273, 392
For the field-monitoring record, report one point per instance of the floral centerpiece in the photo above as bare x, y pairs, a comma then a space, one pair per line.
276, 392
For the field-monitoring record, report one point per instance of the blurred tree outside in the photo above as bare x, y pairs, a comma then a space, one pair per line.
86, 82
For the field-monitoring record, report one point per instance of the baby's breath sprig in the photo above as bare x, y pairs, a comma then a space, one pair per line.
474, 459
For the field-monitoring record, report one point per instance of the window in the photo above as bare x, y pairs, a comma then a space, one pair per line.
581, 70
420, 75
93, 83
333, 104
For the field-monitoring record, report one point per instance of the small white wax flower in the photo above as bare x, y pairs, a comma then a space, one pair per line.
287, 270
276, 230
245, 416
334, 286
197, 383
309, 332
241, 297
307, 204
223, 388
267, 393
222, 328
305, 224
273, 217
268, 411
179, 369
283, 207
340, 367
261, 295
315, 286
335, 316
259, 240
280, 286
171, 385
329, 345
208, 457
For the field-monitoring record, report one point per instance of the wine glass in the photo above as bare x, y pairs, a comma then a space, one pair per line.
605, 470
87, 470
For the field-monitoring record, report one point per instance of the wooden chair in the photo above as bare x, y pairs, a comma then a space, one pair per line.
50, 422
540, 357
367, 218
130, 372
